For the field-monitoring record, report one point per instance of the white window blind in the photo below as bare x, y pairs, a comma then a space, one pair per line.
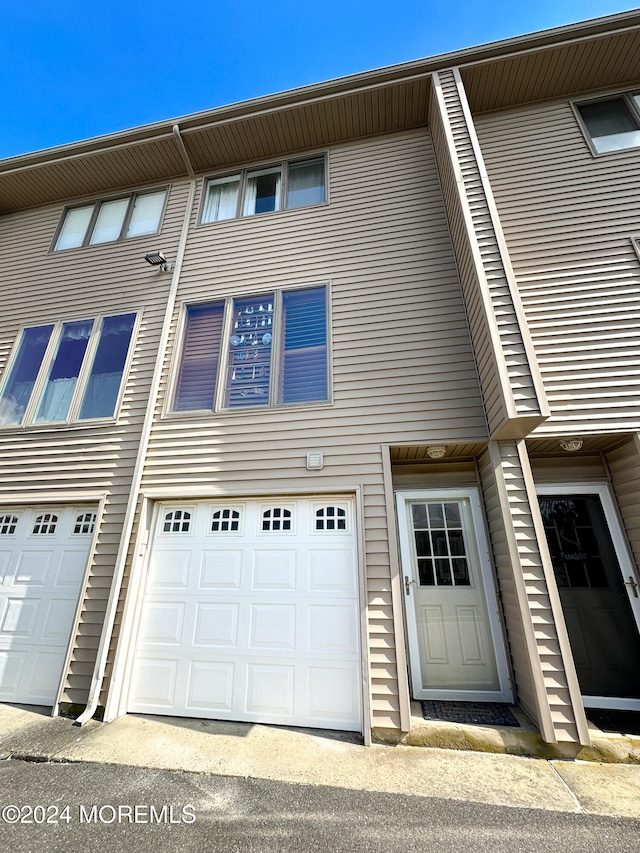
146, 213
304, 350
74, 227
109, 222
198, 366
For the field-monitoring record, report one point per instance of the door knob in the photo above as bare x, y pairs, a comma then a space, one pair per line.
407, 584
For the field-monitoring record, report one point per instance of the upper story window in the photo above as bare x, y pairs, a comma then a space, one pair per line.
255, 351
111, 219
66, 372
284, 186
612, 124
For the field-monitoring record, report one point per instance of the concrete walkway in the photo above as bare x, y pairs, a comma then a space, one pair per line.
323, 758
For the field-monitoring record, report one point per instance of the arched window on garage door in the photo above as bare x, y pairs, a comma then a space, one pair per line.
46, 524
8, 524
177, 521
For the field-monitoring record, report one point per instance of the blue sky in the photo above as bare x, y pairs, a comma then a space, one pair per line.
73, 69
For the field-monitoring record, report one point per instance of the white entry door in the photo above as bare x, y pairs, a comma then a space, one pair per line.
455, 639
251, 613
43, 558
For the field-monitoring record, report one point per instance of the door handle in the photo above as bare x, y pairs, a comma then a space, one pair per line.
633, 585
407, 584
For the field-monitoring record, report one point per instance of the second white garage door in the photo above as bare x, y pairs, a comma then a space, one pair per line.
251, 613
43, 558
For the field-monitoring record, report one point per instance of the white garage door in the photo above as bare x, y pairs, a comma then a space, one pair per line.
43, 557
251, 613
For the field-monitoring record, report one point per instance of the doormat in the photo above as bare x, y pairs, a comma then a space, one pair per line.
469, 713
622, 722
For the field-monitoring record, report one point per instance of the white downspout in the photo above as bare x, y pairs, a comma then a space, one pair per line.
121, 559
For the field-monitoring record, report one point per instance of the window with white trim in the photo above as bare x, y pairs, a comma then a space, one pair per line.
265, 350
108, 220
8, 524
225, 521
612, 124
439, 539
177, 521
85, 523
296, 183
45, 524
331, 518
275, 519
66, 372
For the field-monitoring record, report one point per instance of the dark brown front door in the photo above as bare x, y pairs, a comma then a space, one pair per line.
602, 629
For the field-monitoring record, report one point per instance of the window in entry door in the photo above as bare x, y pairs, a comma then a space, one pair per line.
440, 547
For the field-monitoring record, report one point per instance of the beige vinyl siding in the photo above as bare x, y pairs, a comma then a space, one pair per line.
560, 469
568, 218
41, 462
504, 354
624, 468
403, 370
544, 676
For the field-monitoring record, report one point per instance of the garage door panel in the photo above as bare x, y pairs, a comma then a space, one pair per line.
274, 569
210, 687
155, 684
57, 620
5, 560
171, 570
270, 627
163, 624
332, 628
270, 690
12, 664
333, 693
44, 676
220, 569
216, 624
70, 568
273, 626
33, 568
332, 569
19, 617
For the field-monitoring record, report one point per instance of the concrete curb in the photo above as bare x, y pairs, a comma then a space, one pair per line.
605, 748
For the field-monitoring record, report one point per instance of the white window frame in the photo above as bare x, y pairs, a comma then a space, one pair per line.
263, 168
628, 97
274, 382
97, 203
27, 420
627, 566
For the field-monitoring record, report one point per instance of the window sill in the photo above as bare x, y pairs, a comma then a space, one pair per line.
18, 429
267, 213
208, 414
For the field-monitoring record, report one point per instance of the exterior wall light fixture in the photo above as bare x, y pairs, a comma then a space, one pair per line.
158, 259
571, 445
436, 451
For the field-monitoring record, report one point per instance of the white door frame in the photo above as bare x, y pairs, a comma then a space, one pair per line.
505, 693
625, 561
